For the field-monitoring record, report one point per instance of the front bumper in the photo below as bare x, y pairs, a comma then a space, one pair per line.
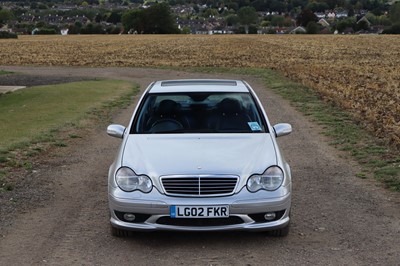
243, 207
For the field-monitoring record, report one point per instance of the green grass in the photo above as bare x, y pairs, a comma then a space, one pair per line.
35, 118
377, 158
36, 114
3, 72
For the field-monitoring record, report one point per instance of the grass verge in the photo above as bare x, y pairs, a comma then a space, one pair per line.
3, 72
35, 114
377, 157
34, 119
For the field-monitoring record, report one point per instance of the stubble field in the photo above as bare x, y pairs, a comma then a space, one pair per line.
359, 73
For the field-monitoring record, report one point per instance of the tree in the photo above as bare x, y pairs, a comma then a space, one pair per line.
133, 20
160, 20
232, 5
260, 5
46, 32
8, 35
40, 24
5, 16
232, 20
317, 6
33, 5
305, 17
92, 29
115, 17
362, 25
394, 13
247, 15
75, 28
351, 12
345, 23
98, 18
395, 29
210, 12
185, 30
42, 6
157, 19
252, 29
277, 6
277, 20
312, 27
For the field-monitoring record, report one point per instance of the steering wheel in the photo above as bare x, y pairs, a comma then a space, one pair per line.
166, 124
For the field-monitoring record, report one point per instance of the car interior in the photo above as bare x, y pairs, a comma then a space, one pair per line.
193, 113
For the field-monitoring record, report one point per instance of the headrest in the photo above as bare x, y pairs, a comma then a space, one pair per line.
167, 107
230, 106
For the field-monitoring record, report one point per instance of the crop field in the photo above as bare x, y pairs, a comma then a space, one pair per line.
358, 73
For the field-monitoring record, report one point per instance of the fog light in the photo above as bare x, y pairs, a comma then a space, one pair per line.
130, 217
269, 216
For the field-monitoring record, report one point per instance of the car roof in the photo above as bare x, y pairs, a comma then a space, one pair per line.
198, 85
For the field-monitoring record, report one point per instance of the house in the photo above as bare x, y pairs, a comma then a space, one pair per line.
342, 14
320, 15
219, 31
298, 30
331, 15
263, 14
325, 30
202, 31
323, 23
6, 29
364, 19
34, 31
182, 10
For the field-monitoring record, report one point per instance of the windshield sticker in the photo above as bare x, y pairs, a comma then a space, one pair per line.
254, 126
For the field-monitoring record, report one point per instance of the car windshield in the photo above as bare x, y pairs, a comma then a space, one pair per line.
198, 112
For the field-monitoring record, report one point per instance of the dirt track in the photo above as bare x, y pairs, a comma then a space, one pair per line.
337, 219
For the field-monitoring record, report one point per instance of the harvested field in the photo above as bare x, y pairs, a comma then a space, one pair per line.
359, 73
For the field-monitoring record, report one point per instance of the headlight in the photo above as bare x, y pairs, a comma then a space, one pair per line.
128, 181
270, 180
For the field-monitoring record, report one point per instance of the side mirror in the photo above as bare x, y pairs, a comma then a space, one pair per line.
282, 129
116, 131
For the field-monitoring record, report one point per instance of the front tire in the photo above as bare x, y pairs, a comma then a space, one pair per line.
282, 232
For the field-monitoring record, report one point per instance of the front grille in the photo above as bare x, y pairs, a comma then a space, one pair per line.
199, 221
199, 186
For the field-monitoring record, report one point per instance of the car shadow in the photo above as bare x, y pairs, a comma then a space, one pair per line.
196, 239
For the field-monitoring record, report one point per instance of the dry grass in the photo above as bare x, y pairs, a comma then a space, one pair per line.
359, 73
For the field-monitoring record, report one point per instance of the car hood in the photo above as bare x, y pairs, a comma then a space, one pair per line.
173, 154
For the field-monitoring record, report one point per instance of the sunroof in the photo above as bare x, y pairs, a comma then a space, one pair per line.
198, 82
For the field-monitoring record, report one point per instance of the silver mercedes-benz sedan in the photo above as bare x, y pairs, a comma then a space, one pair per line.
199, 155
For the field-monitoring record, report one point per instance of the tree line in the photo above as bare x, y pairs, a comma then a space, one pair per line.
158, 18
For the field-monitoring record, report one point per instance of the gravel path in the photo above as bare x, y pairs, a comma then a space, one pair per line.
338, 219
28, 80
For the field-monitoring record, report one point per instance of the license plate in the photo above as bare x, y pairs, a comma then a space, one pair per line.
220, 211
